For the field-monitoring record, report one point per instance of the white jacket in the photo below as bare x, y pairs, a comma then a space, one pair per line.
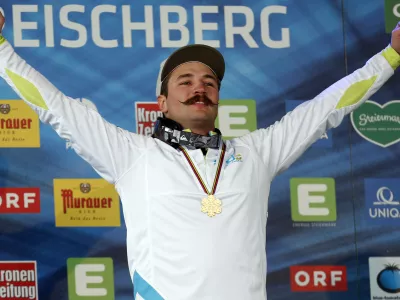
174, 250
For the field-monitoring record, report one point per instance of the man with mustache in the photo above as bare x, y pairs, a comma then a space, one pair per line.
195, 224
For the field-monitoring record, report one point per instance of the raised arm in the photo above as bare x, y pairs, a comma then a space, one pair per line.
107, 148
281, 144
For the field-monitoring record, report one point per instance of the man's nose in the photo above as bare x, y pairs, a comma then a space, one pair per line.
200, 88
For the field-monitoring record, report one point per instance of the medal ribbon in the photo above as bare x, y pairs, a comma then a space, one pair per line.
219, 167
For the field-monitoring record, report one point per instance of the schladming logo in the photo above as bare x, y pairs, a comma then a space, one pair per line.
384, 274
389, 278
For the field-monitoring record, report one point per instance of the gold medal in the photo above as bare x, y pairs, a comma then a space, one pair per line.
210, 205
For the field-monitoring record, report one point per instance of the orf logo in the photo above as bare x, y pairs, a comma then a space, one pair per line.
19, 201
318, 278
5, 108
85, 187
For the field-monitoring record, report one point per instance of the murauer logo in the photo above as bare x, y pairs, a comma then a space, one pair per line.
378, 124
19, 200
384, 276
18, 280
69, 201
86, 202
19, 125
318, 278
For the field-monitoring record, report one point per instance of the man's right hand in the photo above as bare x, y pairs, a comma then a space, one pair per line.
2, 20
395, 43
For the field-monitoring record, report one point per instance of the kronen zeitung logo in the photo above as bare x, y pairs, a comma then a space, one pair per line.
378, 124
18, 280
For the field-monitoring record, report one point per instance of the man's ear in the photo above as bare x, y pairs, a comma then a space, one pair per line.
162, 103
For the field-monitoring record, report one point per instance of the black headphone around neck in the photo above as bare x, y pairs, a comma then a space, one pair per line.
173, 134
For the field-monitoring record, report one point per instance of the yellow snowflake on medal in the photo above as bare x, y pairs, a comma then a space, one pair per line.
211, 206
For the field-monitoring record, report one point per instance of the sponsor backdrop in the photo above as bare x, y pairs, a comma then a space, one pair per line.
333, 216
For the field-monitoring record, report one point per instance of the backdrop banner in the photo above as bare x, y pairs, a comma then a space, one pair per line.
279, 53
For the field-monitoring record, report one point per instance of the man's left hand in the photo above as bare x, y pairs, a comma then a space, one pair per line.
396, 38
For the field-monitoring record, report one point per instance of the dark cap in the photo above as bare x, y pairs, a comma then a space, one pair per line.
207, 55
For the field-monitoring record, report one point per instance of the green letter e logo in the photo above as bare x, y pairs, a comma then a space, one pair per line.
313, 199
236, 117
90, 278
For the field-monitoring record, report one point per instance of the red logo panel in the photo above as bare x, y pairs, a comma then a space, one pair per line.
19, 200
318, 278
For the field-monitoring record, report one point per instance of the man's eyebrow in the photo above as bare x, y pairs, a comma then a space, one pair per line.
186, 75
211, 77
190, 75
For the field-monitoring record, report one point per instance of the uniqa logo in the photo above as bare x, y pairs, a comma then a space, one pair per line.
384, 197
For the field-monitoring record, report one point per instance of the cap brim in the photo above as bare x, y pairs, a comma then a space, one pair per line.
195, 53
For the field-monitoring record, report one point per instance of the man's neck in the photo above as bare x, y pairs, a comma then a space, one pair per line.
201, 131
198, 127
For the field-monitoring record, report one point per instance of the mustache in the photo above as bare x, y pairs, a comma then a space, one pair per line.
203, 98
